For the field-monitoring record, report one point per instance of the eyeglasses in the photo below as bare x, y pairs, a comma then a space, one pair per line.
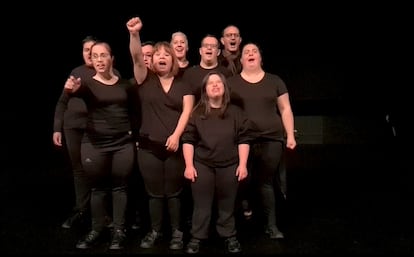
229, 35
209, 45
102, 56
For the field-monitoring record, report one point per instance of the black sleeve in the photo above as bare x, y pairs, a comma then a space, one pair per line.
61, 106
190, 134
134, 109
245, 133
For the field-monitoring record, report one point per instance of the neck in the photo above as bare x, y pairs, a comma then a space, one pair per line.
209, 66
183, 62
252, 72
105, 76
230, 53
215, 102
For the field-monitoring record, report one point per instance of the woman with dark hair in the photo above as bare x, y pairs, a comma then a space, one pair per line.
166, 104
265, 100
215, 147
107, 149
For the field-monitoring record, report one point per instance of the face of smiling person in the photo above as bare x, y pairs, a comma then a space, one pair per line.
180, 46
214, 87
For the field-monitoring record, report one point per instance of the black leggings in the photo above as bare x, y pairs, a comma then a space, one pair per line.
73, 139
264, 161
163, 175
214, 183
108, 169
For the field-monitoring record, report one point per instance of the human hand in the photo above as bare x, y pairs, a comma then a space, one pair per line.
134, 25
72, 84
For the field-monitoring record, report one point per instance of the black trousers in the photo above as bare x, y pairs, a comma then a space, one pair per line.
211, 184
73, 139
108, 169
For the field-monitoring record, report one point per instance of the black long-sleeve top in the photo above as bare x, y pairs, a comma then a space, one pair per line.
108, 116
71, 111
216, 138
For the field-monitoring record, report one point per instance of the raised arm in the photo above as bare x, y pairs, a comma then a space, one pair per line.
134, 25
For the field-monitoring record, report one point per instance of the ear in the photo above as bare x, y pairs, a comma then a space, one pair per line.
218, 52
222, 40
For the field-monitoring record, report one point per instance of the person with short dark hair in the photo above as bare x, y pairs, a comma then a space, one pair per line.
209, 52
230, 54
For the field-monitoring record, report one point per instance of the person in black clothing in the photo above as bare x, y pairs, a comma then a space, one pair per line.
107, 149
230, 54
209, 52
70, 117
265, 100
215, 147
137, 211
166, 104
179, 43
68, 128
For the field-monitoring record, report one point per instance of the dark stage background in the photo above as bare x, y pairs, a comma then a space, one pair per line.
343, 66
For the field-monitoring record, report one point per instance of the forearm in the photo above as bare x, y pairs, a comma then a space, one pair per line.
243, 154
288, 122
139, 68
188, 103
188, 153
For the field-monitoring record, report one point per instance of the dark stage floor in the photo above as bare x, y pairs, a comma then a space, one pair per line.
342, 199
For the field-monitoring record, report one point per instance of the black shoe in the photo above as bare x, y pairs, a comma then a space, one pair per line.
149, 240
233, 245
76, 218
274, 233
193, 246
176, 242
90, 239
118, 240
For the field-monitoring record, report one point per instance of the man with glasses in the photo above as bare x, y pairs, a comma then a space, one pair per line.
209, 52
230, 54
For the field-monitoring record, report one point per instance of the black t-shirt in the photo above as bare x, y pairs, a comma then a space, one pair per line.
160, 110
195, 75
216, 138
259, 101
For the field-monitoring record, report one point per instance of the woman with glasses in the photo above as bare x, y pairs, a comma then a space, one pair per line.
107, 149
